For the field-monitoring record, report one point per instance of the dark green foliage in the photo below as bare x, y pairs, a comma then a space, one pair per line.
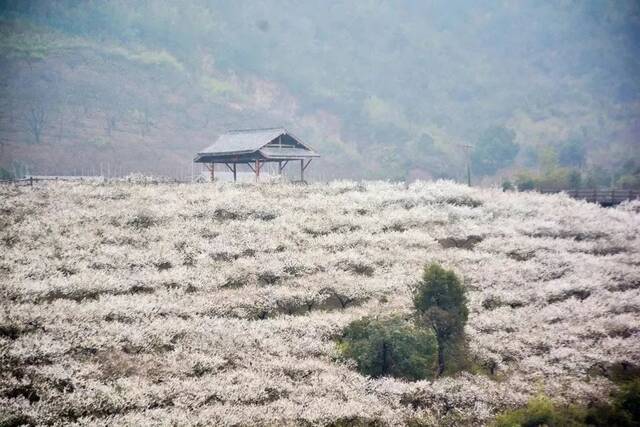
559, 179
541, 411
433, 346
441, 297
552, 179
390, 347
454, 354
442, 305
507, 185
627, 400
494, 150
8, 419
622, 411
525, 182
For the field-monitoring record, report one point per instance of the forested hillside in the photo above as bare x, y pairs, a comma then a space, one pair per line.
381, 89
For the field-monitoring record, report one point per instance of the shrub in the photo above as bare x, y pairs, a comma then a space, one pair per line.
623, 411
553, 179
525, 182
442, 305
541, 411
141, 220
390, 347
507, 185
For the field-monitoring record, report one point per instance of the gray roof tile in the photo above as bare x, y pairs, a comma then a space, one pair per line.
243, 141
247, 144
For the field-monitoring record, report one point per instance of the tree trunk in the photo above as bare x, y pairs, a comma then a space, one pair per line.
385, 359
440, 359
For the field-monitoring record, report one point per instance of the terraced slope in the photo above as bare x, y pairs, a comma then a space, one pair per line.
218, 304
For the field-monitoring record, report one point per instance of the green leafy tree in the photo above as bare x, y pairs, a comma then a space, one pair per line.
494, 150
442, 305
390, 347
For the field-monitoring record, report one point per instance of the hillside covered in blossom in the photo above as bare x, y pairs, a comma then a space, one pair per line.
213, 304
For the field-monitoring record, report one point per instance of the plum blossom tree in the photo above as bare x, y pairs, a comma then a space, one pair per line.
102, 321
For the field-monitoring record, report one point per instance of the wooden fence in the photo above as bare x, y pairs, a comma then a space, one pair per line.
33, 179
28, 182
19, 182
602, 197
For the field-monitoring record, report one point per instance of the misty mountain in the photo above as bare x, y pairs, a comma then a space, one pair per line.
381, 89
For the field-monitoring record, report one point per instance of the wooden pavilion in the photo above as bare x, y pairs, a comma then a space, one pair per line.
255, 147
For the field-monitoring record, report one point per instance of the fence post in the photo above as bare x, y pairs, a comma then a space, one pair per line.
30, 181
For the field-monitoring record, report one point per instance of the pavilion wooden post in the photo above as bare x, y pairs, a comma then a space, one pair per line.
257, 170
280, 168
232, 170
303, 167
212, 169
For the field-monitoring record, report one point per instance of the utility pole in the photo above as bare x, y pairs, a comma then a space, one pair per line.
467, 155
